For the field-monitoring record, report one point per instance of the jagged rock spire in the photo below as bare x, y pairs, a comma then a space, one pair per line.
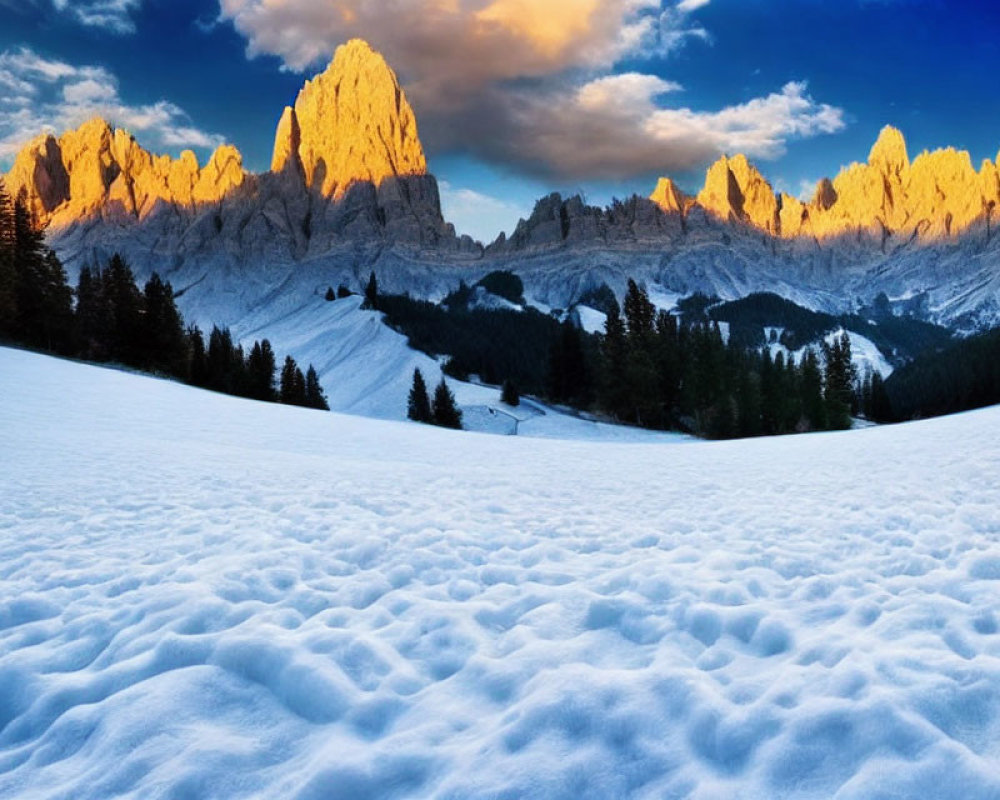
351, 123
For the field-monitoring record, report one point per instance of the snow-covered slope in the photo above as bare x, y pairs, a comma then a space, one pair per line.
366, 368
206, 597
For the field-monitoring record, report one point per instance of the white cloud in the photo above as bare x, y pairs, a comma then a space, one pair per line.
110, 15
48, 95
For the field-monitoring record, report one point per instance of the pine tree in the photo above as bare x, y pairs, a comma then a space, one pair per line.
839, 384
93, 319
8, 273
880, 408
29, 270
56, 324
197, 364
446, 412
221, 369
568, 380
614, 353
668, 362
509, 393
813, 403
371, 294
640, 313
126, 305
292, 391
419, 403
260, 372
163, 339
315, 396
330, 295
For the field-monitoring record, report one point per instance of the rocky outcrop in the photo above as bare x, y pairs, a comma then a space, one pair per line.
736, 192
567, 223
669, 197
936, 196
39, 177
98, 171
354, 125
347, 166
287, 141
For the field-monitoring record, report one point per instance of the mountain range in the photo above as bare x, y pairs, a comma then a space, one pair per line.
349, 192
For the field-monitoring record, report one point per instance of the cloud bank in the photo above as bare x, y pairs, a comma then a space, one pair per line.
39, 94
532, 85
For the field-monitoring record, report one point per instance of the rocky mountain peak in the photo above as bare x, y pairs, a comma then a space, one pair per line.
888, 154
736, 191
352, 123
98, 170
669, 197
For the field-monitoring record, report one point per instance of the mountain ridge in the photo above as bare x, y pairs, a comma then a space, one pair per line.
349, 192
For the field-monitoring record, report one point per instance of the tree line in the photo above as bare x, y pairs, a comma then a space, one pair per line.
109, 319
655, 371
649, 368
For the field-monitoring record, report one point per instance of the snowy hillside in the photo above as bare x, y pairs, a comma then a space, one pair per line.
206, 597
366, 368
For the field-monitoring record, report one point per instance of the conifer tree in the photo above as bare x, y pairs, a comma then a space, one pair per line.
125, 302
220, 362
29, 281
509, 393
197, 365
41, 297
260, 372
614, 353
93, 318
371, 294
641, 376
419, 404
839, 384
315, 396
879, 405
446, 412
292, 391
8, 274
668, 362
813, 403
56, 323
640, 313
568, 379
330, 294
163, 339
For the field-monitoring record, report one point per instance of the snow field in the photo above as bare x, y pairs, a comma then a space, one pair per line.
206, 597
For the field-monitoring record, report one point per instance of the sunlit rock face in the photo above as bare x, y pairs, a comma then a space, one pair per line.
735, 191
354, 125
96, 170
936, 196
347, 166
669, 197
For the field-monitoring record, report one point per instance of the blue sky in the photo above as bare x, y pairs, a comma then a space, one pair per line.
516, 98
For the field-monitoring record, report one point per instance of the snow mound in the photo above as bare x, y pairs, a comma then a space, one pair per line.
202, 596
